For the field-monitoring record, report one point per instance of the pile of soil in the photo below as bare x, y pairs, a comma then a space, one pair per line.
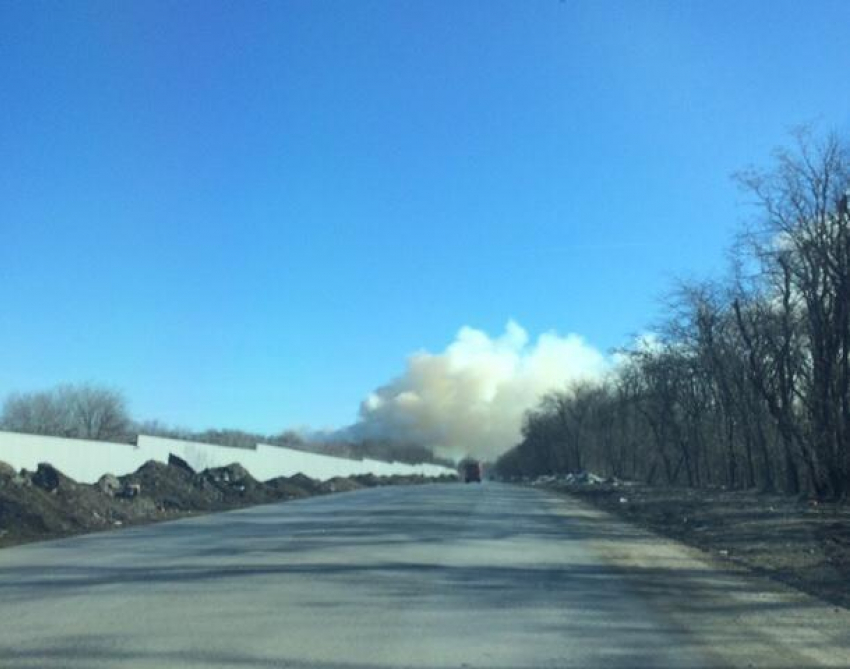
371, 480
312, 486
800, 542
291, 487
46, 503
341, 484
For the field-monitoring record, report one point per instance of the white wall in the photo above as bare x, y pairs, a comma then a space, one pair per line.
87, 461
82, 460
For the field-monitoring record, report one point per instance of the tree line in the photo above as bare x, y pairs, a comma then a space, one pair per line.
100, 413
745, 382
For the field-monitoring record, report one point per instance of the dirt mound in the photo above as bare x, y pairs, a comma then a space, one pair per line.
405, 479
169, 487
48, 478
21, 512
109, 484
7, 471
368, 480
284, 487
233, 483
371, 481
46, 503
232, 473
303, 481
177, 461
341, 484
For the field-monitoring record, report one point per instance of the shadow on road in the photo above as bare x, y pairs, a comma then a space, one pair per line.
474, 554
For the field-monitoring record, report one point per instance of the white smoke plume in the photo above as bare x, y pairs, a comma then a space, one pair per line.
470, 398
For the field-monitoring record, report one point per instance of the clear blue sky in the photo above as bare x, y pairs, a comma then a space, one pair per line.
247, 214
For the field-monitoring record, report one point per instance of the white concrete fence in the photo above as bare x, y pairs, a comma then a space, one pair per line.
86, 461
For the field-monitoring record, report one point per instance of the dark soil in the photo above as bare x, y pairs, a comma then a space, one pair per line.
800, 542
47, 504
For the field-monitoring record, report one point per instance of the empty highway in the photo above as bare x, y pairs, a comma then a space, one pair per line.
423, 577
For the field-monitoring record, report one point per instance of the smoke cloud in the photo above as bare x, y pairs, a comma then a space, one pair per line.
470, 398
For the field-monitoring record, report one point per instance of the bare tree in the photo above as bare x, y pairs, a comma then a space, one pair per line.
84, 411
748, 383
805, 231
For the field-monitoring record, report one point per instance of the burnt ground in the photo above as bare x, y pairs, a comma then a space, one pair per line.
46, 504
803, 543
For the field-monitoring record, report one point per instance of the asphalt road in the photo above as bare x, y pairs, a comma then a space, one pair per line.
432, 576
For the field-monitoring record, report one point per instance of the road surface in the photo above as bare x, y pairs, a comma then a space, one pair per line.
427, 577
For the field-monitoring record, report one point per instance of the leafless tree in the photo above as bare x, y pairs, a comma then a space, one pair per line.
83, 411
748, 383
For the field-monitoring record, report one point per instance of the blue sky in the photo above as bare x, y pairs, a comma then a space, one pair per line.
248, 214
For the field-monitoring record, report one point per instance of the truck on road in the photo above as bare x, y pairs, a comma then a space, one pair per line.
471, 471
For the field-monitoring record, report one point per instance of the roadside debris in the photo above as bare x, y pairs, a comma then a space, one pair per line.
109, 484
788, 538
576, 478
177, 461
46, 503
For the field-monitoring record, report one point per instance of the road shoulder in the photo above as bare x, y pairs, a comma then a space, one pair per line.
721, 608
